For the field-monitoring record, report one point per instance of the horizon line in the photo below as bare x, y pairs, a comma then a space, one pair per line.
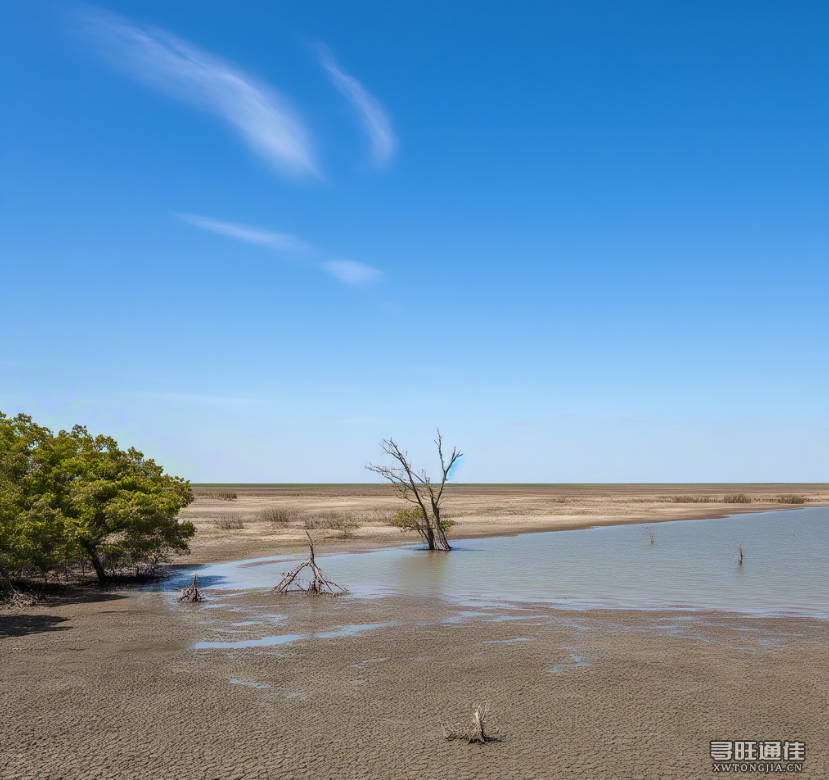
511, 484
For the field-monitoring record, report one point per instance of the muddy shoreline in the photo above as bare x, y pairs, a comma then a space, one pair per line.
114, 689
101, 684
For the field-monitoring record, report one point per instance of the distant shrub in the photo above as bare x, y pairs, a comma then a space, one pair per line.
277, 515
344, 522
791, 498
736, 498
411, 519
229, 523
221, 495
691, 499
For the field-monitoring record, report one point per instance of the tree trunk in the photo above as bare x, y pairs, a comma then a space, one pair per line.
442, 543
96, 562
430, 536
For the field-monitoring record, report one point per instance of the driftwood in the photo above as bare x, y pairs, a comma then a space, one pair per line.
480, 732
318, 585
191, 593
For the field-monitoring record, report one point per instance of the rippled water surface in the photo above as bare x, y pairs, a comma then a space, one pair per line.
692, 564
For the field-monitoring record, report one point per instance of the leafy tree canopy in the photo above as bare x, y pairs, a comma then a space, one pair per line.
72, 494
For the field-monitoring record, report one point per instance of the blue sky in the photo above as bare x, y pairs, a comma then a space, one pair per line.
588, 240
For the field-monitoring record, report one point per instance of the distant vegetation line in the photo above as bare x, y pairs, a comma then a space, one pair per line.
519, 484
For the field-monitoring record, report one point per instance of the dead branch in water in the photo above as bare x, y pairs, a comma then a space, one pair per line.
740, 554
480, 732
648, 529
319, 584
192, 593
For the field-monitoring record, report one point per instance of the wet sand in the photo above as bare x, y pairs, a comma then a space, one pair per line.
109, 689
109, 685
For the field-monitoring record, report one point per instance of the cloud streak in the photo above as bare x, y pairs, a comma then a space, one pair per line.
349, 272
279, 241
262, 117
373, 116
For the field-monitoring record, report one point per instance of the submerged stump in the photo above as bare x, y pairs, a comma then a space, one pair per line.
318, 585
192, 593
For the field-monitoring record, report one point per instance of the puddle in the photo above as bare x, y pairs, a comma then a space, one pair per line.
351, 630
284, 639
462, 617
248, 683
267, 641
371, 661
576, 662
509, 641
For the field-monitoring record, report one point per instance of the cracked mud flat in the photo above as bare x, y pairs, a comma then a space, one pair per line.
115, 688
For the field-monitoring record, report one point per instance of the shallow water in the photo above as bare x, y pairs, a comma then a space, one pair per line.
692, 564
284, 639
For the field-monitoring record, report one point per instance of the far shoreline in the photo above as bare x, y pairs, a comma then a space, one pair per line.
482, 511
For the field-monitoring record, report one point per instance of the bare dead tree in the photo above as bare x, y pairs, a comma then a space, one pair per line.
648, 529
191, 593
418, 489
740, 553
481, 730
319, 583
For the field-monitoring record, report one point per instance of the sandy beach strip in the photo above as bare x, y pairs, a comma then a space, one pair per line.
478, 510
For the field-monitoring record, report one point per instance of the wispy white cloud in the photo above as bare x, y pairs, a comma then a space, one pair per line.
258, 113
351, 271
373, 116
279, 241
348, 271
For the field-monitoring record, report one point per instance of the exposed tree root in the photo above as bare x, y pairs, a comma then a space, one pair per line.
191, 593
318, 585
481, 731
14, 599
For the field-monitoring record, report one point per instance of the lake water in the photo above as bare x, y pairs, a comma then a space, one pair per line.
692, 564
